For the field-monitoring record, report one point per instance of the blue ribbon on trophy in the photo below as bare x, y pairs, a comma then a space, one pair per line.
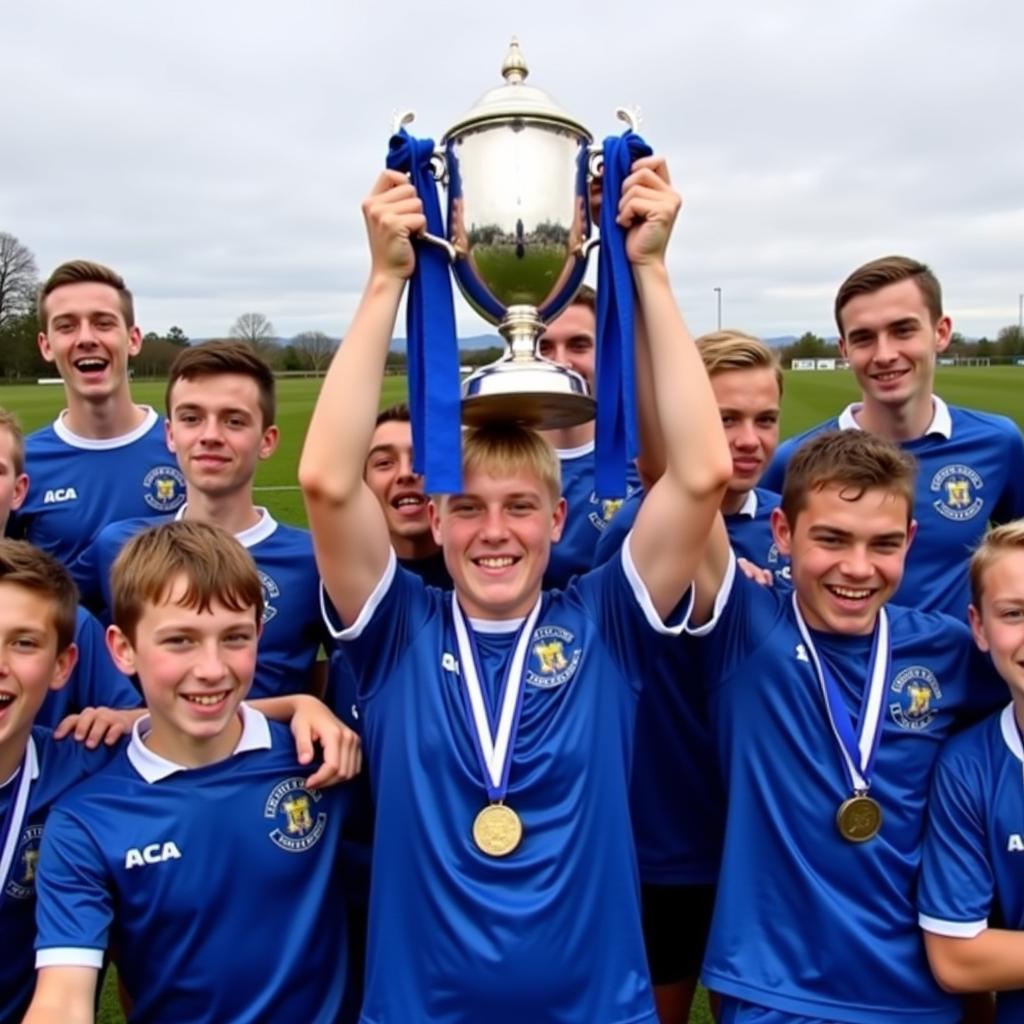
517, 168
616, 428
432, 352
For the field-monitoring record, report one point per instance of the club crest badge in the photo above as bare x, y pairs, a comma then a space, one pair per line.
21, 881
553, 657
164, 488
956, 492
914, 694
298, 823
271, 591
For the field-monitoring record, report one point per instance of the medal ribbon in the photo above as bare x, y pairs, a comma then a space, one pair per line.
432, 353
616, 427
858, 751
494, 751
10, 831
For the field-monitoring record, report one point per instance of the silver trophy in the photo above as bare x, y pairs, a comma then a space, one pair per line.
517, 170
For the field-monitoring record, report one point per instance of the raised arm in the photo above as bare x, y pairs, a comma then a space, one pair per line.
350, 535
676, 518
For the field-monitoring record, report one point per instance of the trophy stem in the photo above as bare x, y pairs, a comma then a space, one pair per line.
521, 328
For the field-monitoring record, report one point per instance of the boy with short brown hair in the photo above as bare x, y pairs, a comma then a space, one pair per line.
38, 602
201, 852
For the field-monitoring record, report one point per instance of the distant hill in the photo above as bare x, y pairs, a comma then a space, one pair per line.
475, 341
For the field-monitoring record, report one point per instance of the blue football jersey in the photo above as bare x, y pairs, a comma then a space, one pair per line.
293, 629
971, 472
676, 796
218, 886
972, 868
94, 681
587, 516
79, 484
552, 931
805, 921
54, 767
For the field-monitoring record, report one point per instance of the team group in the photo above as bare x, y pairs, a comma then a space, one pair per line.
749, 723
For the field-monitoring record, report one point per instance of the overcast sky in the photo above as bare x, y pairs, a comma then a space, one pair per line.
216, 153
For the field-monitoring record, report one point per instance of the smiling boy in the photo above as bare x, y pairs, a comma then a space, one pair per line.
501, 846
971, 895
971, 464
94, 681
221, 424
104, 457
161, 853
37, 654
828, 708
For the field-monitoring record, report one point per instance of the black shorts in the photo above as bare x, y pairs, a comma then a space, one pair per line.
676, 920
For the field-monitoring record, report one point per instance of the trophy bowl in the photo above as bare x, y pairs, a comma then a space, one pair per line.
517, 170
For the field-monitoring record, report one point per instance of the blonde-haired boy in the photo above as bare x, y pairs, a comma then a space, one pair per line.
971, 893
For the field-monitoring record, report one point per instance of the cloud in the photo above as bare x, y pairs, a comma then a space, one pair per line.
217, 153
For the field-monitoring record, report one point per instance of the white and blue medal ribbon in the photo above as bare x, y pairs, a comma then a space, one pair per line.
10, 831
857, 747
493, 746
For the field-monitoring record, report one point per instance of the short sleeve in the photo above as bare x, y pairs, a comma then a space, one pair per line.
745, 616
388, 623
74, 904
956, 886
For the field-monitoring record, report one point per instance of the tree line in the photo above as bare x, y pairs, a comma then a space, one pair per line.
311, 351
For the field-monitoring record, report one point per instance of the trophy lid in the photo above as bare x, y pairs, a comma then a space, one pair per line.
516, 99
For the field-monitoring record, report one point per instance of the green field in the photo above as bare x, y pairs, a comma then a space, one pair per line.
810, 397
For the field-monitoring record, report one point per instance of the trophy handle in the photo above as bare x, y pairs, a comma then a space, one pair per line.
441, 243
589, 247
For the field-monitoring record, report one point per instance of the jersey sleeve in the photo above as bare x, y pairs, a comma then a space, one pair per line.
618, 601
743, 618
1010, 505
384, 628
74, 905
956, 885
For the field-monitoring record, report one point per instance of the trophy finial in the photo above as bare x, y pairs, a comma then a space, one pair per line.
514, 68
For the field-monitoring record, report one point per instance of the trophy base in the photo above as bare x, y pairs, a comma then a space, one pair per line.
534, 393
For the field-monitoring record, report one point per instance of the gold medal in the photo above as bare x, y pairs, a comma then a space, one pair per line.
497, 830
859, 818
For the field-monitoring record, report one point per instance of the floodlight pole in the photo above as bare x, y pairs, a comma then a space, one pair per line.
718, 292
1020, 316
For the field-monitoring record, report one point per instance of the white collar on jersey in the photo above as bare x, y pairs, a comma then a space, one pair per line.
941, 424
564, 454
99, 444
33, 765
153, 768
251, 536
1011, 737
749, 506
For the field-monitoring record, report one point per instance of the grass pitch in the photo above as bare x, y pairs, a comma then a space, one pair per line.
810, 397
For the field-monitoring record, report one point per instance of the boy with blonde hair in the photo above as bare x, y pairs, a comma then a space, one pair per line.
200, 852
971, 895
506, 844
